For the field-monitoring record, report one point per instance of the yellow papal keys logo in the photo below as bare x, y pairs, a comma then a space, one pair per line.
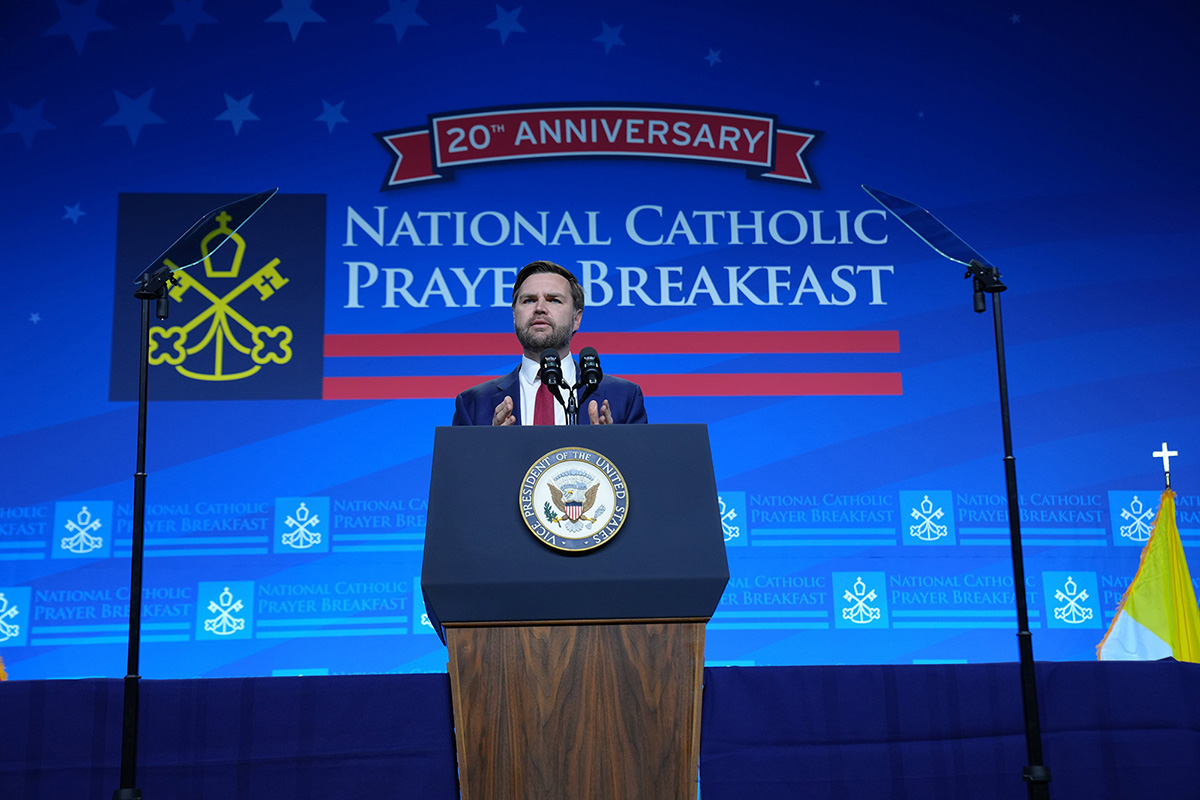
239, 348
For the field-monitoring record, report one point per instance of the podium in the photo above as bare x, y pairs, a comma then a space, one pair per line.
574, 673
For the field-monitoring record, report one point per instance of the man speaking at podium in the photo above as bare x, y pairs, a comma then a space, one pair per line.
547, 309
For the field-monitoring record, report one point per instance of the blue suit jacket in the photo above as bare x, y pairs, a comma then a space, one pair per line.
477, 405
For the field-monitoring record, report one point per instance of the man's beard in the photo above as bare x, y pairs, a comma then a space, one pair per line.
537, 341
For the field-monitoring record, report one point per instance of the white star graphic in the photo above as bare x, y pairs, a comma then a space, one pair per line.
713, 57
35, 318
332, 115
295, 13
134, 113
1015, 18
506, 23
73, 213
609, 36
401, 15
187, 15
237, 112
27, 122
817, 82
77, 22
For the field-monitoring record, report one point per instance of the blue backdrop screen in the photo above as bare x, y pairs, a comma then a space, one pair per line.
699, 166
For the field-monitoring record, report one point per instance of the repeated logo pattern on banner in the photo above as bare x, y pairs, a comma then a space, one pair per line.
701, 173
765, 593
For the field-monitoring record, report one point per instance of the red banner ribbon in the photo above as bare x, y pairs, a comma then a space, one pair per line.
752, 141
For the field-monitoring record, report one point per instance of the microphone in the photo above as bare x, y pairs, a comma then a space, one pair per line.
551, 374
589, 367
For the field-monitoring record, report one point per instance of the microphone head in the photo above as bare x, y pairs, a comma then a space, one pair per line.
551, 368
589, 366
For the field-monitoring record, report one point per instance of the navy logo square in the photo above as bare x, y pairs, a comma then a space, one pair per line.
245, 324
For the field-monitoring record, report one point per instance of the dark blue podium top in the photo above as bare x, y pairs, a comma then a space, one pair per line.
483, 564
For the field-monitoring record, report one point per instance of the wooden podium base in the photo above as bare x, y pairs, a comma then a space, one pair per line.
591, 711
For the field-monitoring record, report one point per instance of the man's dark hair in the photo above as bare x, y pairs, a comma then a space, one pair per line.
534, 267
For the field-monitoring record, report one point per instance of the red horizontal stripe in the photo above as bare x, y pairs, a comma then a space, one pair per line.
628, 343
426, 387
784, 384
395, 387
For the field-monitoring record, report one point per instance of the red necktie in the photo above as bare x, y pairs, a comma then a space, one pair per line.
543, 406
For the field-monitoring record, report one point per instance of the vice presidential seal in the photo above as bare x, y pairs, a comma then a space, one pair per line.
574, 499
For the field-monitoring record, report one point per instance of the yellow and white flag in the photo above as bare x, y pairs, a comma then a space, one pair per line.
1157, 617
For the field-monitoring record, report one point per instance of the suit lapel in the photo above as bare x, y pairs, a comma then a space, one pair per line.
509, 386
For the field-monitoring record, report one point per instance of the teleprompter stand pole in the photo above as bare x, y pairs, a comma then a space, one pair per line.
153, 289
198, 244
986, 280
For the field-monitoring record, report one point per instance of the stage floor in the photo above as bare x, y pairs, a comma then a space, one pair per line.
1111, 730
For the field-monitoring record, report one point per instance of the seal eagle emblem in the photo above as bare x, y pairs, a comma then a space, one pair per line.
574, 499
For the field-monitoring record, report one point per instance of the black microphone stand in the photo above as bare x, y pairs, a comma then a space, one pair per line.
572, 406
552, 379
985, 279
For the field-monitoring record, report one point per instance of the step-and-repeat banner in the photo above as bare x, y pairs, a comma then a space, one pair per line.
699, 166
